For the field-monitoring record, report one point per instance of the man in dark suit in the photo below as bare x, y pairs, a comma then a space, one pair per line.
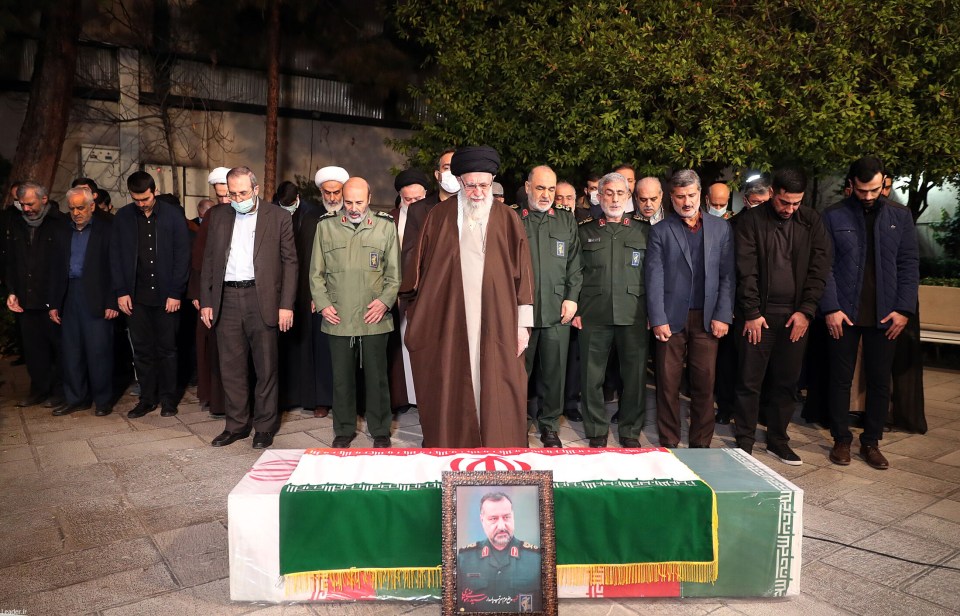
417, 215
248, 289
30, 237
82, 302
690, 277
150, 260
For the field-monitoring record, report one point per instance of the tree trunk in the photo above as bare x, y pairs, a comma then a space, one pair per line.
51, 94
273, 99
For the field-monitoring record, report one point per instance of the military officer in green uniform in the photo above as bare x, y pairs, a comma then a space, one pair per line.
354, 280
613, 309
555, 253
500, 573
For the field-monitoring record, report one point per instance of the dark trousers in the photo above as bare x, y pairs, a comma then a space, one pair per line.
595, 344
727, 365
878, 352
209, 384
571, 388
548, 351
777, 360
369, 352
87, 352
241, 333
700, 348
153, 332
41, 352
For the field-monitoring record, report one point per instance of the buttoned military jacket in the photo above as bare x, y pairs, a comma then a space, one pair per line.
613, 283
352, 266
493, 578
555, 253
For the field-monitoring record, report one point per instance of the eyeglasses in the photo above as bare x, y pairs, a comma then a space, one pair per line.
241, 196
482, 187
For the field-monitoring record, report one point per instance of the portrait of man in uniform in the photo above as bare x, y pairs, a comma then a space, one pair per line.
498, 571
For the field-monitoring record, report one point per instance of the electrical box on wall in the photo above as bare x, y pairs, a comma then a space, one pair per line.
102, 165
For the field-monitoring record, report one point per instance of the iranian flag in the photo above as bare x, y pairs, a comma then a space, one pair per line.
372, 517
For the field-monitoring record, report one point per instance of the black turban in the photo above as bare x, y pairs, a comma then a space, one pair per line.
408, 177
475, 159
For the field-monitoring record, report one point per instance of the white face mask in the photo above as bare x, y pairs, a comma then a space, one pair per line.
719, 213
449, 183
292, 207
594, 198
244, 207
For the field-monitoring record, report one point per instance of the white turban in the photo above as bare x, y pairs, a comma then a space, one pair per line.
327, 174
218, 176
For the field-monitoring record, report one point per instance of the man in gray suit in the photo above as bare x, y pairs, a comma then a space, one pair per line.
248, 287
690, 278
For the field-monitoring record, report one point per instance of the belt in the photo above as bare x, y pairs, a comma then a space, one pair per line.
239, 284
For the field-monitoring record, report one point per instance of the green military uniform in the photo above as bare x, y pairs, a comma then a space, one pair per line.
613, 308
557, 272
351, 266
491, 580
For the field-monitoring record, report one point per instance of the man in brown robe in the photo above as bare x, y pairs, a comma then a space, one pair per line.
469, 289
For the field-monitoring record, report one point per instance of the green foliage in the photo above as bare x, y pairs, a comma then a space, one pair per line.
308, 188
947, 234
940, 282
679, 83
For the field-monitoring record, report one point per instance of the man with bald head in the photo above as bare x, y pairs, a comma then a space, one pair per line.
356, 257
648, 196
555, 254
717, 201
469, 290
82, 302
566, 195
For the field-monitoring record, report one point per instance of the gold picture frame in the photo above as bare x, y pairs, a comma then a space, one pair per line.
499, 551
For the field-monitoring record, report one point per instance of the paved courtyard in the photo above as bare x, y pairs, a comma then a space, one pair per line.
105, 515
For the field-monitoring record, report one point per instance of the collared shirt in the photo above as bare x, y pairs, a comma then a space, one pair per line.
146, 291
78, 248
240, 259
402, 221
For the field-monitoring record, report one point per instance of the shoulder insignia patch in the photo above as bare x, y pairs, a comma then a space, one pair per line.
586, 220
332, 214
514, 207
530, 546
472, 546
385, 215
563, 208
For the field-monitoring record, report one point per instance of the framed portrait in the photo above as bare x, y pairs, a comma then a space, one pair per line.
499, 553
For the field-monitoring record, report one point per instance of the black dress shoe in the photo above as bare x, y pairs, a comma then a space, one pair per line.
226, 438
629, 443
55, 402
32, 400
168, 411
141, 409
70, 408
549, 438
597, 442
262, 440
381, 441
342, 442
103, 411
573, 415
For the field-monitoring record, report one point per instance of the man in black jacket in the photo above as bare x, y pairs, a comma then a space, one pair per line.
783, 258
30, 238
82, 302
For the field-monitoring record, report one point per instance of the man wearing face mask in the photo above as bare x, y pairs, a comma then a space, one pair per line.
690, 291
612, 311
447, 186
555, 254
247, 292
717, 202
354, 279
150, 259
588, 206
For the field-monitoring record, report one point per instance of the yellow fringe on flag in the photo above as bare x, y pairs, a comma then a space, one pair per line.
403, 577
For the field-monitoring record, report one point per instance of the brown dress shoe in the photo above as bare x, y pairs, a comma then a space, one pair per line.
840, 454
321, 411
872, 456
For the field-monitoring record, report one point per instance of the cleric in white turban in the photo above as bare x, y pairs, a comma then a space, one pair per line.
218, 179
330, 182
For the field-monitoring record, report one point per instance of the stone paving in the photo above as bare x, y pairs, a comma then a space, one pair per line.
110, 516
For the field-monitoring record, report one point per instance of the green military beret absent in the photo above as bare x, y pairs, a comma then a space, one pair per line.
586, 220
384, 215
530, 546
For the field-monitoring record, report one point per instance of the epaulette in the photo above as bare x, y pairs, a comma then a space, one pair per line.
384, 215
514, 207
564, 208
530, 546
639, 217
472, 546
330, 214
586, 220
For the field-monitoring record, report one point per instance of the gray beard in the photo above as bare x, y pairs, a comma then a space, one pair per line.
472, 210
